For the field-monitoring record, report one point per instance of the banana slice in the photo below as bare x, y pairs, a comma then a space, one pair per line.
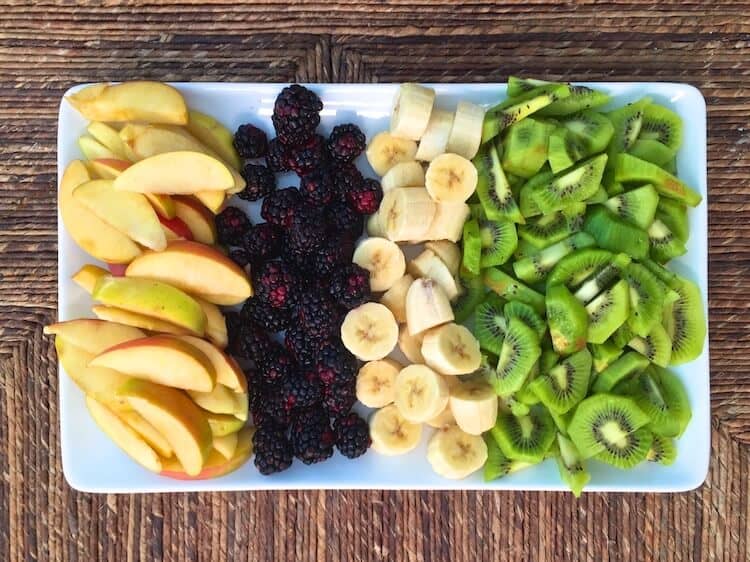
404, 174
474, 406
447, 251
383, 259
369, 331
385, 151
412, 108
455, 454
376, 382
421, 393
451, 349
445, 418
435, 138
427, 264
374, 226
448, 222
427, 306
406, 213
410, 346
451, 178
395, 298
391, 433
466, 133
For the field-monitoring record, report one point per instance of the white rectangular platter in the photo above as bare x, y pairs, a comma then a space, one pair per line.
92, 463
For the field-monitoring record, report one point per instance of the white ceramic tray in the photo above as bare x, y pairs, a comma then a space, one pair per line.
91, 462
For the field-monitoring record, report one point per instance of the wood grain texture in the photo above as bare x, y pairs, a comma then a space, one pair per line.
46, 46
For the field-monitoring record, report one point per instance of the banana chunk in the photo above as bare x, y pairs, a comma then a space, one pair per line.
448, 222
376, 382
427, 306
474, 406
428, 265
435, 138
421, 393
395, 298
447, 251
369, 331
374, 226
466, 133
391, 433
383, 259
406, 214
451, 178
445, 418
451, 349
412, 107
404, 174
410, 346
455, 454
385, 151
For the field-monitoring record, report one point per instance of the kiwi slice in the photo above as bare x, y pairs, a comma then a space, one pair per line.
604, 419
573, 269
516, 407
570, 464
490, 323
612, 187
472, 247
523, 250
685, 322
499, 241
665, 245
518, 353
580, 98
535, 268
662, 396
615, 234
493, 188
668, 278
525, 147
662, 125
518, 86
593, 130
518, 309
548, 359
570, 186
525, 395
524, 438
652, 151
663, 450
567, 319
623, 335
553, 227
604, 354
563, 150
628, 451
511, 289
565, 384
497, 464
599, 196
629, 169
526, 202
472, 294
608, 311
627, 121
674, 215
561, 421
637, 206
646, 298
628, 364
598, 281
656, 345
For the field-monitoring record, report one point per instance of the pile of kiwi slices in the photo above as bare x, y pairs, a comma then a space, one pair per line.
578, 209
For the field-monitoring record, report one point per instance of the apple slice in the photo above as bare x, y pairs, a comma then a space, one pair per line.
219, 400
174, 416
226, 445
93, 336
196, 268
107, 136
93, 150
223, 424
91, 233
88, 275
212, 200
216, 324
106, 168
152, 298
199, 220
161, 359
148, 432
214, 135
162, 204
114, 314
175, 229
228, 372
124, 436
216, 465
153, 102
117, 269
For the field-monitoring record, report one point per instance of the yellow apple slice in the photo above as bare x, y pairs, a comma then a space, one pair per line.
106, 168
148, 432
199, 220
91, 233
216, 465
153, 102
152, 298
93, 336
223, 424
228, 372
196, 268
161, 359
212, 200
114, 314
226, 445
219, 400
88, 275
214, 135
162, 204
93, 150
107, 136
216, 325
128, 212
124, 436
175, 416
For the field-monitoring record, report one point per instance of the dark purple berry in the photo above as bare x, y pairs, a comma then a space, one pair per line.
260, 182
273, 452
346, 142
366, 198
277, 157
262, 242
311, 436
308, 156
338, 399
231, 225
296, 114
334, 364
350, 286
250, 141
279, 207
275, 284
317, 187
352, 435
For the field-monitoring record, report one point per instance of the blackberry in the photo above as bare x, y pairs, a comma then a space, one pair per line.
307, 230
352, 435
334, 364
366, 197
301, 345
273, 452
231, 225
312, 437
346, 178
330, 257
346, 142
250, 141
240, 257
277, 156
299, 391
275, 285
308, 156
254, 343
262, 242
317, 314
296, 114
234, 333
338, 399
317, 187
260, 182
343, 222
278, 208
350, 286
265, 316
276, 366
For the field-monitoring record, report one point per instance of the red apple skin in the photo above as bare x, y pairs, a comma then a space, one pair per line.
216, 465
177, 226
114, 163
117, 269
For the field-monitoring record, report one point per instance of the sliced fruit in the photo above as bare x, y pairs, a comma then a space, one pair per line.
628, 168
216, 326
383, 259
412, 107
455, 454
662, 450
474, 406
391, 433
553, 227
434, 140
376, 382
180, 172
571, 466
448, 222
646, 298
490, 324
685, 323
107, 136
472, 244
214, 135
535, 268
427, 306
517, 309
568, 320
138, 320
518, 354
511, 289
525, 147
429, 266
93, 336
665, 245
148, 432
661, 125
499, 241
637, 206
421, 393
591, 129
223, 424
674, 215
615, 234
221, 400
604, 354
598, 281
216, 465
655, 345
92, 149
628, 451
627, 121
566, 384
447, 251
370, 331
175, 229
450, 178
662, 396
579, 98
410, 346
466, 132
386, 150
228, 372
570, 186
471, 295
406, 214
199, 220
493, 188
497, 464
451, 349
403, 174
524, 438
87, 276
395, 298
608, 311
574, 269
517, 108
226, 445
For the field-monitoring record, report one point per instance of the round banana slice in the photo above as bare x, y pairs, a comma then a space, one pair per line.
421, 393
406, 213
451, 349
474, 406
447, 251
369, 331
395, 298
455, 454
448, 222
451, 178
385, 151
383, 259
427, 306
466, 133
391, 433
410, 346
445, 418
404, 174
435, 138
376, 382
411, 112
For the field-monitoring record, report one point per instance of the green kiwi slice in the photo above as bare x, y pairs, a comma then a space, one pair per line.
472, 294
499, 241
674, 215
663, 450
604, 419
570, 186
652, 151
547, 229
524, 438
565, 384
563, 150
526, 202
548, 359
472, 247
525, 147
591, 129
627, 121
571, 467
623, 367
600, 280
518, 309
490, 323
646, 298
523, 250
535, 268
518, 86
628, 451
615, 234
561, 421
511, 289
608, 311
497, 464
612, 187
573, 269
567, 319
629, 169
662, 396
599, 196
637, 206
525, 395
685, 322
493, 188
656, 345
623, 335
662, 125
518, 353
665, 245
516, 407
580, 98
604, 354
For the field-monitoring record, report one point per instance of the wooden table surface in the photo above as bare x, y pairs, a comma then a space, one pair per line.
46, 46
